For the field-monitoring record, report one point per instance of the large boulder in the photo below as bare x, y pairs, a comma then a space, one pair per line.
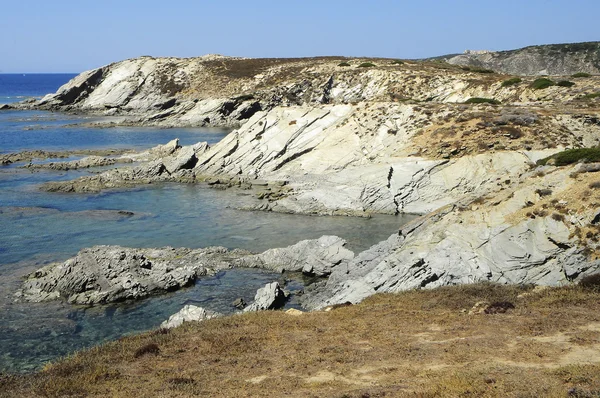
189, 313
269, 297
314, 257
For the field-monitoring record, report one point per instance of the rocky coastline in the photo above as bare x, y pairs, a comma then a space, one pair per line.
333, 136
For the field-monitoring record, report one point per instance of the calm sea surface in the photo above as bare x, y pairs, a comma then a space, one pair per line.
38, 227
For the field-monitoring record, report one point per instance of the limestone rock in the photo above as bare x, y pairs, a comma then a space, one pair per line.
314, 257
104, 274
455, 245
189, 313
269, 297
185, 158
239, 303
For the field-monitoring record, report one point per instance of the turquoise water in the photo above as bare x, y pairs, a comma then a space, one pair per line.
38, 227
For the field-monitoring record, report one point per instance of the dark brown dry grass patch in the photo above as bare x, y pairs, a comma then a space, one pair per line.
416, 343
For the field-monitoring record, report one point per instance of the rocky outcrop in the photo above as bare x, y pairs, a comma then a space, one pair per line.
28, 156
104, 274
529, 234
189, 313
269, 297
164, 163
313, 257
552, 59
83, 163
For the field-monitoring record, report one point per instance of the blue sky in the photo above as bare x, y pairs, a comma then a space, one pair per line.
72, 36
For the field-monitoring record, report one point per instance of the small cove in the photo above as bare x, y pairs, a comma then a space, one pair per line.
38, 227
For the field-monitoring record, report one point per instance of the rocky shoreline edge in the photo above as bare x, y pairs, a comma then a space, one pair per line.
476, 153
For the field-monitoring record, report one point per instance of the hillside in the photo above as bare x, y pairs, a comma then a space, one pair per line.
550, 59
480, 341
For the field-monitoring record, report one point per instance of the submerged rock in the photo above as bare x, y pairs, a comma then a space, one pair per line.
189, 313
104, 274
269, 297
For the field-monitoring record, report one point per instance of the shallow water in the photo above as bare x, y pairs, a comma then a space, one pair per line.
38, 227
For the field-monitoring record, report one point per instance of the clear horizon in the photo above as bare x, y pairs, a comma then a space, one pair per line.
70, 37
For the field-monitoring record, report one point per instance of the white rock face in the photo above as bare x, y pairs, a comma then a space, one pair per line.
269, 297
313, 257
334, 164
457, 245
189, 313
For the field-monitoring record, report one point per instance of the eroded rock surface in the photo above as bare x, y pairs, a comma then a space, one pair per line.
104, 274
313, 257
514, 237
189, 313
269, 297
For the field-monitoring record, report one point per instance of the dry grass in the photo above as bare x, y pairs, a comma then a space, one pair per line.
417, 343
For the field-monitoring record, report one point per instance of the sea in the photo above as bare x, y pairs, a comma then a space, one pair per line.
38, 228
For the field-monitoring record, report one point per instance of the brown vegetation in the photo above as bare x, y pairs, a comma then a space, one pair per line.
417, 344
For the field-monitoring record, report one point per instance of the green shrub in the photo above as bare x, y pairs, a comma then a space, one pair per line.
541, 83
366, 65
511, 82
344, 64
397, 62
571, 156
565, 83
591, 96
478, 100
476, 69
581, 74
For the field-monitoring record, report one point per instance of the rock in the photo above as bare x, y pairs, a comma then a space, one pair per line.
479, 308
4, 107
169, 148
184, 158
239, 303
313, 257
456, 245
269, 297
86, 162
294, 312
189, 313
104, 274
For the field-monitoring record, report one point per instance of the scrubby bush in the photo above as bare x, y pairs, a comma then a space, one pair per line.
541, 83
366, 65
499, 307
150, 348
476, 69
397, 62
591, 96
511, 82
581, 74
543, 192
478, 100
565, 83
591, 282
571, 156
344, 64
